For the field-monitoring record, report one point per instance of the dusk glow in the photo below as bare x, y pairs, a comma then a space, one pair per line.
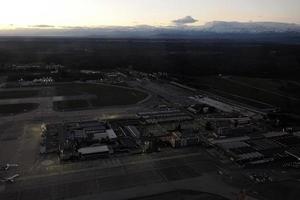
137, 12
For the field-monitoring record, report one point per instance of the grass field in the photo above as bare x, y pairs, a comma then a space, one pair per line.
244, 100
282, 87
16, 94
29, 92
70, 104
13, 109
251, 91
106, 96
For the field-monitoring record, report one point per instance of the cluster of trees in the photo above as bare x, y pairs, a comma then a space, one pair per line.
188, 57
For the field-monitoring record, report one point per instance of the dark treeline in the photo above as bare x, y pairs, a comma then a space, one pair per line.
188, 57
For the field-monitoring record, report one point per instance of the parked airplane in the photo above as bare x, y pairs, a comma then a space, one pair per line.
10, 179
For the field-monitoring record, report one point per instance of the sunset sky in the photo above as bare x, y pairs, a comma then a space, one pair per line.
18, 13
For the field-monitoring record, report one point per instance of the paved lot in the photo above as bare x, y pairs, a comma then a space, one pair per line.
70, 180
44, 178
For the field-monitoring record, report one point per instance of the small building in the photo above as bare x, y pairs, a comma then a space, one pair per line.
219, 123
135, 133
241, 152
224, 132
241, 121
228, 140
274, 134
163, 116
200, 109
233, 145
266, 146
107, 134
248, 157
93, 151
183, 138
89, 131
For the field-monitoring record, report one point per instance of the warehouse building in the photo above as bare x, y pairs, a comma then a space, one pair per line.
89, 131
241, 152
224, 132
163, 116
248, 157
274, 134
93, 152
134, 132
183, 138
85, 139
267, 147
201, 109
229, 140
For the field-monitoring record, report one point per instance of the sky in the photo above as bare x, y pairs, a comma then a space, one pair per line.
93, 13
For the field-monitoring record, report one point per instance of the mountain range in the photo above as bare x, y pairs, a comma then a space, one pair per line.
211, 29
249, 27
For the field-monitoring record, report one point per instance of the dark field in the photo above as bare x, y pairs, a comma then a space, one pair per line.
183, 57
28, 92
18, 94
182, 195
13, 109
264, 74
70, 104
290, 88
105, 96
77, 96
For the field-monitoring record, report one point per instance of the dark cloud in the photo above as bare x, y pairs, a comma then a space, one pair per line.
185, 20
42, 26
74, 27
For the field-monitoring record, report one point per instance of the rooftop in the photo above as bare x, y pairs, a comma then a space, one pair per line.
94, 149
274, 134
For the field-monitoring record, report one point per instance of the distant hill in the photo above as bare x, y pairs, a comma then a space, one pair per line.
258, 31
250, 27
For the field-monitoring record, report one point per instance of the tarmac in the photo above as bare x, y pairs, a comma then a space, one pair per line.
118, 177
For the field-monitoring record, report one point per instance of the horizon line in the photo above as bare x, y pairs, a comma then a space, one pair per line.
171, 25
